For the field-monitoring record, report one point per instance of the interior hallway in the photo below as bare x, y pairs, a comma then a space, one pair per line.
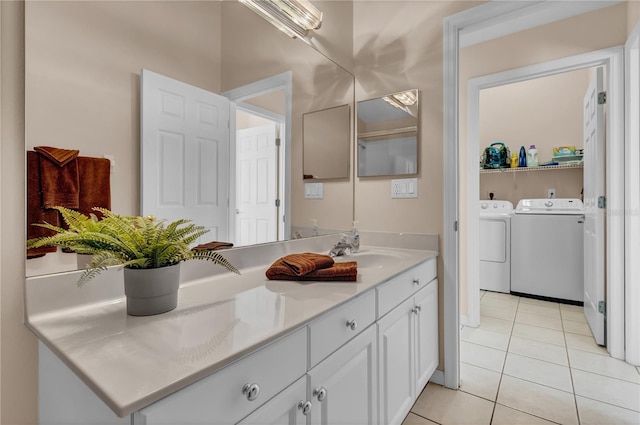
532, 362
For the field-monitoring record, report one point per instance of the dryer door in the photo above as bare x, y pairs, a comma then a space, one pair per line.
493, 240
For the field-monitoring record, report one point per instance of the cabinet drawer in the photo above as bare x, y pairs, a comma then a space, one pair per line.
337, 327
403, 286
219, 398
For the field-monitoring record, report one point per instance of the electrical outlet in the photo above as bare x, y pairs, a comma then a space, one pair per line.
313, 190
551, 193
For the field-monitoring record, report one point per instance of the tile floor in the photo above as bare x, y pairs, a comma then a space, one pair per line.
532, 362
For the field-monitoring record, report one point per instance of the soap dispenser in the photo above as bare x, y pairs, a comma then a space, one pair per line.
355, 238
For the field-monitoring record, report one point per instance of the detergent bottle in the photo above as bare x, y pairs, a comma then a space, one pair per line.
532, 156
522, 159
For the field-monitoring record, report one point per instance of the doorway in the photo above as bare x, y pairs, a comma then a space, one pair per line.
483, 23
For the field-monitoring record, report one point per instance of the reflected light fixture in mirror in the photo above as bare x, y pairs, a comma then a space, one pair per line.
388, 129
293, 17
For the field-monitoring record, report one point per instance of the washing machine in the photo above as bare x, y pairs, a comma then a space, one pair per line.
547, 256
495, 245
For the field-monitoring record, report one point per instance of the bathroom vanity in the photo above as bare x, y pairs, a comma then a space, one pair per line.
241, 349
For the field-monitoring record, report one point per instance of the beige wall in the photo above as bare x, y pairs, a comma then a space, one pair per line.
581, 34
18, 346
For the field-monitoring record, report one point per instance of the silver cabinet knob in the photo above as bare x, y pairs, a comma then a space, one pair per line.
352, 324
416, 281
548, 204
419, 307
415, 310
305, 406
320, 393
251, 391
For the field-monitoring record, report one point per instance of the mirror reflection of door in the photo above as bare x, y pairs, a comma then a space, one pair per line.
259, 169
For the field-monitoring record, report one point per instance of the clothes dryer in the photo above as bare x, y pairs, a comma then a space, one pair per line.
495, 245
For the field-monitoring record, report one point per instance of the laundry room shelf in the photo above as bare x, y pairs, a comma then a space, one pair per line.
522, 169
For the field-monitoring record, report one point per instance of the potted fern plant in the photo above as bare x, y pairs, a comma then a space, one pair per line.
150, 251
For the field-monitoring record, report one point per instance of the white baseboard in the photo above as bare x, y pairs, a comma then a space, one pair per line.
437, 377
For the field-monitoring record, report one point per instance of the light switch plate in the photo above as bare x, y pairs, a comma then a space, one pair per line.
313, 190
404, 188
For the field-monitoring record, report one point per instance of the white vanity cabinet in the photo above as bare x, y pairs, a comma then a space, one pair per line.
290, 407
343, 386
407, 346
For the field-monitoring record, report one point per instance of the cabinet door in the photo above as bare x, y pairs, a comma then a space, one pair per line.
427, 352
343, 387
396, 348
284, 409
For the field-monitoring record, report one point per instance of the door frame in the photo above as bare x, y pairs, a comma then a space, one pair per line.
612, 59
282, 81
468, 27
632, 195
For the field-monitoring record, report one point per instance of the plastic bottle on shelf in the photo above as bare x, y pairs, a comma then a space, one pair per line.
514, 160
522, 159
532, 156
314, 228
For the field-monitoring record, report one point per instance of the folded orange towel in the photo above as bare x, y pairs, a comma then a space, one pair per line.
302, 264
344, 272
212, 246
58, 156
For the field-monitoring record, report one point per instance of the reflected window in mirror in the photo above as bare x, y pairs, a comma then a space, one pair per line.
326, 141
388, 129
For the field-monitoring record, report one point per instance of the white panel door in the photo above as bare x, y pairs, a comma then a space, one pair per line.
594, 186
256, 185
397, 371
184, 153
349, 380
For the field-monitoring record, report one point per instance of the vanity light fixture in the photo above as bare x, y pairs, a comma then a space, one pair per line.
293, 17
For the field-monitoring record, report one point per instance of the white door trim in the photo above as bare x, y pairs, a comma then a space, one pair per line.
493, 13
611, 58
283, 82
632, 196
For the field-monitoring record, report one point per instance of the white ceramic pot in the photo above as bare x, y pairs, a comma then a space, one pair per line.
151, 291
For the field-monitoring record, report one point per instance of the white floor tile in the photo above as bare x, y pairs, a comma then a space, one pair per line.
449, 407
539, 350
413, 419
481, 336
481, 356
541, 303
571, 307
549, 322
603, 365
494, 324
537, 333
574, 315
538, 400
496, 300
539, 310
580, 328
538, 371
584, 343
479, 381
608, 390
503, 415
489, 310
593, 412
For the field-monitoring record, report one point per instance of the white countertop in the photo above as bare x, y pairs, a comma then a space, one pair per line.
131, 362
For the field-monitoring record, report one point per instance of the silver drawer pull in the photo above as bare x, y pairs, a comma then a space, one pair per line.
352, 324
320, 393
305, 406
416, 281
251, 391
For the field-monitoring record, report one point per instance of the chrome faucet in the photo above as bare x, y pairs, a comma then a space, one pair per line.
341, 247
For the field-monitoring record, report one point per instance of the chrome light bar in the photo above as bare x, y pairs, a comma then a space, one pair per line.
293, 17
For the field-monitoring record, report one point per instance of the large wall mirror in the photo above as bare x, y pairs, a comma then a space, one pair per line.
83, 64
388, 129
